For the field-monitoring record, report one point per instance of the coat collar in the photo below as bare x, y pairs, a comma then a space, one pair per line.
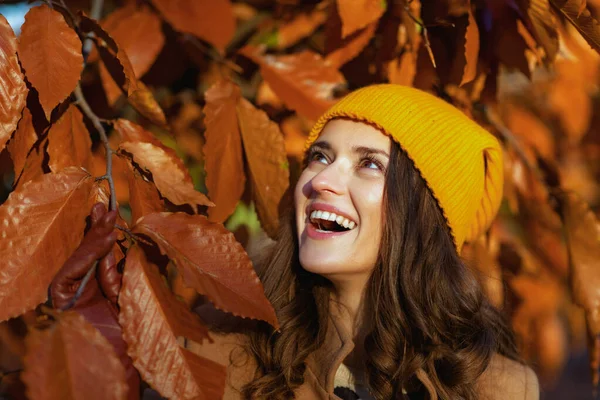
337, 345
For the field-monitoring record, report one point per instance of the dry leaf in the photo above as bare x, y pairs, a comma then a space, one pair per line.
50, 52
356, 14
268, 166
302, 26
43, 224
35, 164
341, 50
153, 320
303, 81
144, 102
471, 50
72, 360
170, 179
577, 13
541, 24
223, 160
207, 19
14, 91
143, 195
210, 261
582, 232
403, 69
69, 142
22, 141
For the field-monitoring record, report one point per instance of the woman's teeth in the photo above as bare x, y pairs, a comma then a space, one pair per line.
329, 216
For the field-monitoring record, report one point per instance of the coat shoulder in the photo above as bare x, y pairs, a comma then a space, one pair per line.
508, 379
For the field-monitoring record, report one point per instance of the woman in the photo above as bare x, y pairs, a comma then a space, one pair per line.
372, 297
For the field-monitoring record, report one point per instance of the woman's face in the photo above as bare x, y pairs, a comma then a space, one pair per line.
345, 176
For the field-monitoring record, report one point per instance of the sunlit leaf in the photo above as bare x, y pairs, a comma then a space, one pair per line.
69, 142
21, 142
269, 172
541, 23
50, 52
43, 223
342, 49
170, 179
357, 14
301, 26
210, 261
577, 13
209, 20
153, 320
71, 360
14, 91
224, 163
471, 50
144, 102
303, 81
143, 195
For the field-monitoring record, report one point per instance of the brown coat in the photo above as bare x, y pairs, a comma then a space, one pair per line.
504, 378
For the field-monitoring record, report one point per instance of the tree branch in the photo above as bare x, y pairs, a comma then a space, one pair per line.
81, 288
425, 34
87, 110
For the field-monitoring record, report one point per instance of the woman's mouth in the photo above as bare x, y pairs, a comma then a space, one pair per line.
324, 225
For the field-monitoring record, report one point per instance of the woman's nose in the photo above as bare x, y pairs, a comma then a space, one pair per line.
331, 179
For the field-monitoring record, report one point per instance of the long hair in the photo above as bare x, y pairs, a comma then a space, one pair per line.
429, 311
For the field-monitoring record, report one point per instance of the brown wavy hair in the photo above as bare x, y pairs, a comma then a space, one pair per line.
429, 311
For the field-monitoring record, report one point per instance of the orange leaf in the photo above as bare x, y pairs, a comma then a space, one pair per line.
577, 13
540, 22
303, 81
210, 261
22, 141
153, 319
210, 20
269, 172
582, 231
50, 52
143, 195
43, 223
144, 102
301, 26
357, 14
14, 92
35, 164
402, 70
224, 163
346, 49
471, 50
172, 181
69, 142
71, 360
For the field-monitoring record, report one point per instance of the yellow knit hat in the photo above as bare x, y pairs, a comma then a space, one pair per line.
460, 161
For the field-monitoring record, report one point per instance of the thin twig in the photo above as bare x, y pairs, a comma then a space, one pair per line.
81, 288
425, 34
132, 236
212, 53
85, 107
95, 13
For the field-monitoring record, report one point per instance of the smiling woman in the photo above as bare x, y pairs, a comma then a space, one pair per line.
372, 297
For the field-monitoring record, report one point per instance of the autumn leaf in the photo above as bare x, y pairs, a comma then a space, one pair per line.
356, 14
153, 320
69, 142
50, 52
582, 231
43, 224
210, 261
209, 20
303, 81
471, 50
302, 25
14, 93
581, 18
269, 173
72, 360
224, 163
144, 102
35, 163
541, 23
170, 179
402, 70
143, 195
22, 141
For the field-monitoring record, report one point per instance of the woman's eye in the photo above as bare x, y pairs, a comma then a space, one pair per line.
370, 164
318, 157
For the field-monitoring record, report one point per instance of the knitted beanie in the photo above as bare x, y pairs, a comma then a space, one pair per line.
460, 161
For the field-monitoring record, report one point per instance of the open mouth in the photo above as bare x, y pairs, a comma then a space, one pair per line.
328, 222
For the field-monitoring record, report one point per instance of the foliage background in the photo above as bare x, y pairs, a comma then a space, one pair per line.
528, 70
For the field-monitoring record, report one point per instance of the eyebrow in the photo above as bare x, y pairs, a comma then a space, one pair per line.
362, 150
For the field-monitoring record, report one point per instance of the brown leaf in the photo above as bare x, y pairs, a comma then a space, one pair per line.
211, 261
50, 52
110, 22
72, 360
35, 164
69, 142
224, 163
172, 181
356, 14
22, 141
269, 172
541, 24
43, 224
210, 20
300, 27
403, 69
14, 93
153, 320
582, 231
471, 50
579, 15
144, 102
342, 49
143, 195
303, 81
